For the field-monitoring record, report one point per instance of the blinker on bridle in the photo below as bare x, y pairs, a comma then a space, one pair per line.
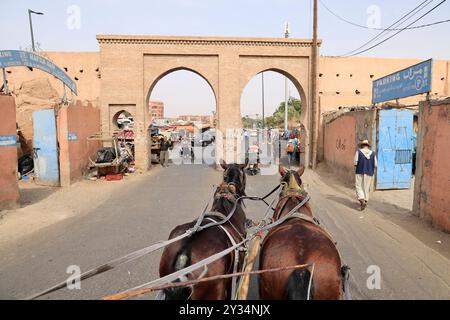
288, 190
226, 192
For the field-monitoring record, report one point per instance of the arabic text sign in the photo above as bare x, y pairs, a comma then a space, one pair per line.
12, 58
404, 83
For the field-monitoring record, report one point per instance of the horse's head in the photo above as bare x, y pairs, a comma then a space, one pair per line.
226, 192
225, 199
234, 174
291, 179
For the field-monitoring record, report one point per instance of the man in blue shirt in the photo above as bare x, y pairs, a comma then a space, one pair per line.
365, 163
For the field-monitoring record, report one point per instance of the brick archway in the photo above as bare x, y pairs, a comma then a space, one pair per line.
152, 82
293, 69
132, 65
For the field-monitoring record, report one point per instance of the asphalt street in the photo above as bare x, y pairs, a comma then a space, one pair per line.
146, 211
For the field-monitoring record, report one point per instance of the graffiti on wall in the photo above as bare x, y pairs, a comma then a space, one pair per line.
340, 144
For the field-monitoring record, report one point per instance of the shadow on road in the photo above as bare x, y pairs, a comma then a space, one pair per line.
344, 201
31, 193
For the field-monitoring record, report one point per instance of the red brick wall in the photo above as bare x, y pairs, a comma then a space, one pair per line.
432, 186
82, 121
9, 188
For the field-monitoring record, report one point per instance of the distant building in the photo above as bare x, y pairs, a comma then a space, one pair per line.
156, 109
198, 118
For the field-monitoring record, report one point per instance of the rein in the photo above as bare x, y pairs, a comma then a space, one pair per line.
284, 200
176, 275
161, 244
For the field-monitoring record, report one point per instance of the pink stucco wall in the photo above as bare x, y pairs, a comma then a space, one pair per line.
340, 145
9, 188
432, 187
81, 121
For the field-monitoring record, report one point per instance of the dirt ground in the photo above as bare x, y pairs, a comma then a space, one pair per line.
42, 206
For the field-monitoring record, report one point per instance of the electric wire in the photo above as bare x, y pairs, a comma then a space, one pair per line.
380, 29
383, 41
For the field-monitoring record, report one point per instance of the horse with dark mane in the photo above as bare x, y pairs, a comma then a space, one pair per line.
208, 242
299, 240
234, 174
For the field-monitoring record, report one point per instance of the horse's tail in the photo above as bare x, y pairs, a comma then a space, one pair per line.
298, 285
182, 260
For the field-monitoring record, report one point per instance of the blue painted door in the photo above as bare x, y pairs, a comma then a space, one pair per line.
395, 144
45, 148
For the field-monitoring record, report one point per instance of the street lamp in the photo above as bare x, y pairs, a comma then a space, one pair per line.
31, 26
286, 35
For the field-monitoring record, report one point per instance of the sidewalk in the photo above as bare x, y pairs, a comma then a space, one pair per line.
392, 205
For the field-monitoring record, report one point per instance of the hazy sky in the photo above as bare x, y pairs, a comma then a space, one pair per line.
187, 93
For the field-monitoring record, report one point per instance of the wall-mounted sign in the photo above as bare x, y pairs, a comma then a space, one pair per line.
12, 58
404, 83
8, 140
72, 136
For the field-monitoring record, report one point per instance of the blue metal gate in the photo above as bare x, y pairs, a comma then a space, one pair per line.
394, 149
45, 148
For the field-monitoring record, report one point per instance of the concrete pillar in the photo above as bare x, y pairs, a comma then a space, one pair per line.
9, 194
141, 121
229, 113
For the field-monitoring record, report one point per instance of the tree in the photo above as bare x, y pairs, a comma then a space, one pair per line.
248, 122
276, 120
294, 112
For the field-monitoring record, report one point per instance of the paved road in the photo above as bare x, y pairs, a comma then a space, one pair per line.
146, 212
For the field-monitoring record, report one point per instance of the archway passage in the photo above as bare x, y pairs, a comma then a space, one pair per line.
263, 106
123, 120
263, 100
182, 109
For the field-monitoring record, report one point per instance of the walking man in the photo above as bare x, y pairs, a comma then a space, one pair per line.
164, 152
292, 145
365, 164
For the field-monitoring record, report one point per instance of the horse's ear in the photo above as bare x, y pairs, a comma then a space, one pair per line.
301, 170
282, 170
242, 166
223, 164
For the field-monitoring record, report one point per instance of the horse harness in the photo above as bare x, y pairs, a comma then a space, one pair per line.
242, 181
233, 241
300, 195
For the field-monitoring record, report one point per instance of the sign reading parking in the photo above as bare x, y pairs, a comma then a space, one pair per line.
404, 83
12, 58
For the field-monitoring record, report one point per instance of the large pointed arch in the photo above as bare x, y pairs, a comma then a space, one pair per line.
175, 69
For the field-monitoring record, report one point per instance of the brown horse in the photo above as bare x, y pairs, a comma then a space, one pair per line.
208, 242
235, 174
298, 240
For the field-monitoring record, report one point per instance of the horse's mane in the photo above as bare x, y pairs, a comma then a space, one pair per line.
225, 206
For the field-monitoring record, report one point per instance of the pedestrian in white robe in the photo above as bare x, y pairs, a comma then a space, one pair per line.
365, 163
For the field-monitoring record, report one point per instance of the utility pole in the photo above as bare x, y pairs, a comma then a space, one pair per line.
286, 35
314, 104
31, 27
